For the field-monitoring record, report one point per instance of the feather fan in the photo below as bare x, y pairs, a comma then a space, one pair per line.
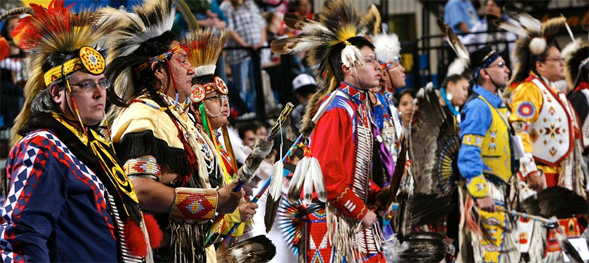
254, 250
420, 247
556, 201
425, 131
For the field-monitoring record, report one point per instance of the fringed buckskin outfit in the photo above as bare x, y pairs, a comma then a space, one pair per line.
153, 134
142, 130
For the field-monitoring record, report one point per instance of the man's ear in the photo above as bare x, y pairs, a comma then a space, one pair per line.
347, 70
158, 70
57, 93
540, 67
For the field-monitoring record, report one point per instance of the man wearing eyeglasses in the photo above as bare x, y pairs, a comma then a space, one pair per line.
486, 159
67, 198
544, 119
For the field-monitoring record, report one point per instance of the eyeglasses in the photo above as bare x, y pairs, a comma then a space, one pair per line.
501, 64
369, 60
218, 98
555, 59
88, 86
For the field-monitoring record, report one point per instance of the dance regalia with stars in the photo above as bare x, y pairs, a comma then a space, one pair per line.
549, 128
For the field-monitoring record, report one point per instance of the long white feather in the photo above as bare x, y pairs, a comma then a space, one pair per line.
296, 183
516, 29
308, 185
312, 27
275, 188
318, 182
529, 22
457, 67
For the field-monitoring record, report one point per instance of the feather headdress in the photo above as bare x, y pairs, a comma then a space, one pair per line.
54, 30
534, 38
387, 49
337, 23
150, 20
575, 61
204, 48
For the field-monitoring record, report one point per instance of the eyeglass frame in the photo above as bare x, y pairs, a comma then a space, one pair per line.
102, 84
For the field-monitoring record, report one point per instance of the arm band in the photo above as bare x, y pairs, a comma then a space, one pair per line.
145, 167
194, 204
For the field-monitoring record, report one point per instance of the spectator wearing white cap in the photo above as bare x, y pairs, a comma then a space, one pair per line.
304, 86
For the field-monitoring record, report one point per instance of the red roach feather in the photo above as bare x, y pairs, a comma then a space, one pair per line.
56, 19
4, 53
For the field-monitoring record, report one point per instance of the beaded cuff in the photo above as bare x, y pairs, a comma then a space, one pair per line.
194, 204
143, 167
473, 140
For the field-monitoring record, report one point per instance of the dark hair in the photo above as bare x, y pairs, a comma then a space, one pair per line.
452, 78
243, 127
150, 48
55, 60
306, 90
410, 91
4, 30
541, 57
335, 60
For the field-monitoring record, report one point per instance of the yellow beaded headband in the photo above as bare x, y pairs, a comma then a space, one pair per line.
88, 58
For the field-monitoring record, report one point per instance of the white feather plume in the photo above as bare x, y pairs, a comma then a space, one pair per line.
529, 22
275, 188
308, 185
296, 183
386, 47
457, 67
352, 55
516, 29
537, 45
317, 176
572, 46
